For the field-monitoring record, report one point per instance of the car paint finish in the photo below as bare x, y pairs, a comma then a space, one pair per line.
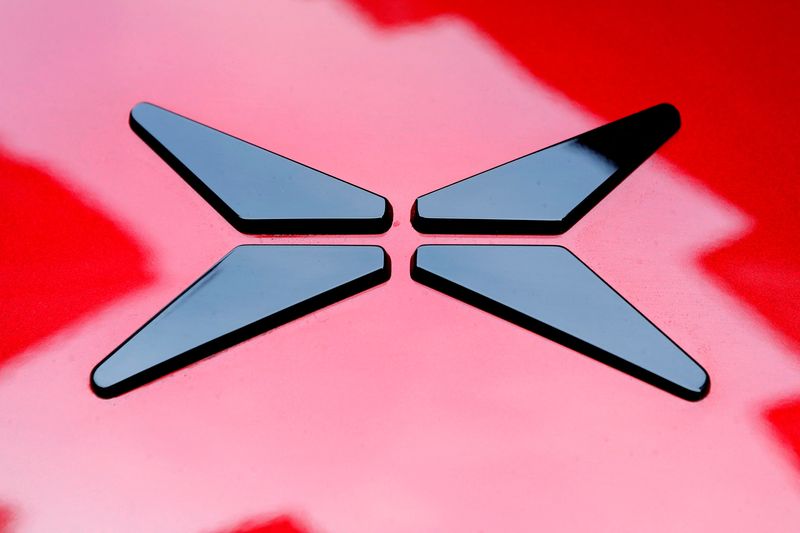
398, 409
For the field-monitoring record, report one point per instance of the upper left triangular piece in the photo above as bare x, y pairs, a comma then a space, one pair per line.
256, 190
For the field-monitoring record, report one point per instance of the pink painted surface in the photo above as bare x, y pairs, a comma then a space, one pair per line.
399, 409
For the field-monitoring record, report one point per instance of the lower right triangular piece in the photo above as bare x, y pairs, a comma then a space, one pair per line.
548, 290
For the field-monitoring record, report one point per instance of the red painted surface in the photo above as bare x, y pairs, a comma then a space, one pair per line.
785, 417
283, 524
62, 258
5, 519
401, 409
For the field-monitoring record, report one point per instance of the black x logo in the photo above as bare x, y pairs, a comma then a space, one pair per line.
545, 289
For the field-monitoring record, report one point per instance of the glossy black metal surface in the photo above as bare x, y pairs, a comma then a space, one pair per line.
252, 289
256, 190
548, 290
548, 191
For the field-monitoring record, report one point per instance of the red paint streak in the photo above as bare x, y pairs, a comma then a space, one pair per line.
281, 524
61, 257
5, 520
785, 419
731, 70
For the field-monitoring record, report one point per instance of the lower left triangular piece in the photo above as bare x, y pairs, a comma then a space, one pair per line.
252, 289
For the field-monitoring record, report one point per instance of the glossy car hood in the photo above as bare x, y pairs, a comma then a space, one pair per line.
401, 408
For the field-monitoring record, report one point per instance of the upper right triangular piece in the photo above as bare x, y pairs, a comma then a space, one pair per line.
548, 191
